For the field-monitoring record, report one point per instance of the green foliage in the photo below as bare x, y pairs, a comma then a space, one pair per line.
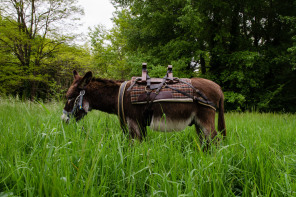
109, 57
60, 66
242, 79
248, 48
234, 100
30, 37
41, 156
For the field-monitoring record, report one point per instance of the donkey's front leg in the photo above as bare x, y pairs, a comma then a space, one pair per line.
136, 129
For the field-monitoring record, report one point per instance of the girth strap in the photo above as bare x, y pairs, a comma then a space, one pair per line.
120, 106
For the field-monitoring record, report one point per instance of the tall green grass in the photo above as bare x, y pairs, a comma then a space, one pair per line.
41, 156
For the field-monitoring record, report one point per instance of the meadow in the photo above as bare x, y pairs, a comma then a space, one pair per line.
41, 156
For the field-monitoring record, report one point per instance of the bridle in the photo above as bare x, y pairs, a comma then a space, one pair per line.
77, 105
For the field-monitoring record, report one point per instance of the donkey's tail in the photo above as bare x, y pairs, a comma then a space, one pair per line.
221, 120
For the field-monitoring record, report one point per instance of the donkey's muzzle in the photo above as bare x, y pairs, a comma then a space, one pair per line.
65, 116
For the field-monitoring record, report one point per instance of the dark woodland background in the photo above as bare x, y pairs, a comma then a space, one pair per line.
248, 47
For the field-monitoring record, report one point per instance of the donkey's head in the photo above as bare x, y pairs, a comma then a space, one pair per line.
77, 104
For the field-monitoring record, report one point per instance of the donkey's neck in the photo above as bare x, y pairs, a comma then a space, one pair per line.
103, 95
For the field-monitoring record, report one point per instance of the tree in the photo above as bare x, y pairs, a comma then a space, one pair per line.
109, 56
247, 47
59, 68
30, 31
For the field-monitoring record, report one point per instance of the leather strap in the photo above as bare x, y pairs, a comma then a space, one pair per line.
199, 100
82, 92
121, 115
196, 90
144, 71
170, 72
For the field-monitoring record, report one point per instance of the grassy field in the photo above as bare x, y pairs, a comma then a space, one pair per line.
41, 156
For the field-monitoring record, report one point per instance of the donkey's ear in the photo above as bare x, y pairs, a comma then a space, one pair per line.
85, 80
75, 74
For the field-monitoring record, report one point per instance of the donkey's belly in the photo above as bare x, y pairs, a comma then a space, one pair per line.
166, 124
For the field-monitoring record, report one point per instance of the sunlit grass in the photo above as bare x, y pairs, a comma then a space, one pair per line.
41, 156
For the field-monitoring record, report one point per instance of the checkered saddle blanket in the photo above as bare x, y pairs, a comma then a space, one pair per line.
168, 93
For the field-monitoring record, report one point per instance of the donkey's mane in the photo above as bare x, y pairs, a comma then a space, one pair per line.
107, 82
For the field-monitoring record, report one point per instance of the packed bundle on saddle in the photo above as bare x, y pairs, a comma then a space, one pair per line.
145, 89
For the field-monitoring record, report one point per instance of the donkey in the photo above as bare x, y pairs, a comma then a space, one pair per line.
87, 93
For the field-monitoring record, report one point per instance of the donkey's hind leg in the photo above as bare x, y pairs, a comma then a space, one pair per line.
205, 136
205, 128
204, 142
136, 130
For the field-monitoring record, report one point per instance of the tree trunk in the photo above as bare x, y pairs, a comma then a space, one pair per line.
202, 64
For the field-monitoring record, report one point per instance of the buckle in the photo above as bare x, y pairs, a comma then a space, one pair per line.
147, 91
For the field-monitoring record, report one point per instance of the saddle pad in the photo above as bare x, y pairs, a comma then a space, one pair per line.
138, 93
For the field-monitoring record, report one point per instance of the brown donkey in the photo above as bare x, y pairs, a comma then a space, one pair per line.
87, 93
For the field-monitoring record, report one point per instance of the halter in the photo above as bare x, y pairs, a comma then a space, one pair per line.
77, 104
